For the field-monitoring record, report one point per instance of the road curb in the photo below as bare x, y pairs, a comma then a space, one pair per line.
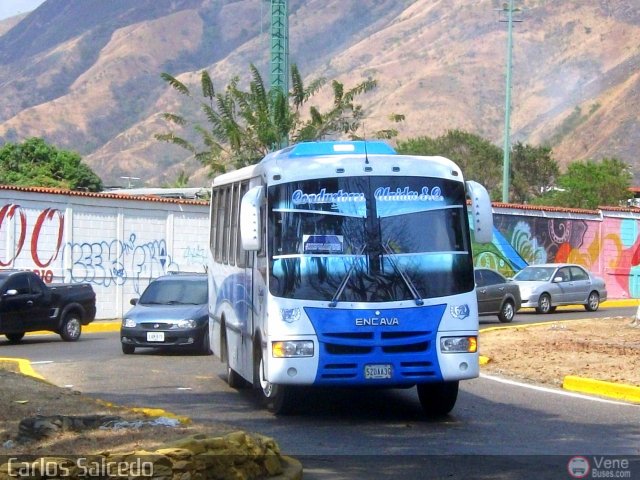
24, 367
618, 391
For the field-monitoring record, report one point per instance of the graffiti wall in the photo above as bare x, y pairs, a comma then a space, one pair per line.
113, 242
119, 243
606, 242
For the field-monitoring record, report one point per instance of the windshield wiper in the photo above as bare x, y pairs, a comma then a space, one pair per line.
343, 283
407, 281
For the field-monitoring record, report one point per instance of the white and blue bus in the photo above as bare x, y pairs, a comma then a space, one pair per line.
346, 264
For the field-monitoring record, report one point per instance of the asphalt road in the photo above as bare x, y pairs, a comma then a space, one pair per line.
496, 428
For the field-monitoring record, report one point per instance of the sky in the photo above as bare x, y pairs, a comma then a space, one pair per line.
9, 8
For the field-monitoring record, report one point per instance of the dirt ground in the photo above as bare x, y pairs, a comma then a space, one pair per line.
605, 349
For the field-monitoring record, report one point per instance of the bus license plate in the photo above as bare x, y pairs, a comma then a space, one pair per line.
155, 336
372, 372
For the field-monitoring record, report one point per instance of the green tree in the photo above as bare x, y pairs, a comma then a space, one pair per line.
245, 125
533, 172
478, 158
34, 163
590, 184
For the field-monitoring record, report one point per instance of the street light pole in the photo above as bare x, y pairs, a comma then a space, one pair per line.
507, 107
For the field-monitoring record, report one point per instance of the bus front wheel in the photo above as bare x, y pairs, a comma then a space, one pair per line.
279, 399
438, 399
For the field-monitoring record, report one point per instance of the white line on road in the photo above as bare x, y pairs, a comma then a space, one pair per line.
554, 390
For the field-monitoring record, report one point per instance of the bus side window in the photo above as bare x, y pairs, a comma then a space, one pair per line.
241, 255
213, 214
220, 221
227, 223
263, 244
233, 222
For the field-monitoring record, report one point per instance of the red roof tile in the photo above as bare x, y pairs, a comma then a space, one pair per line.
115, 196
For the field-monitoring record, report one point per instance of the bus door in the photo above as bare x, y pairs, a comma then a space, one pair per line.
247, 301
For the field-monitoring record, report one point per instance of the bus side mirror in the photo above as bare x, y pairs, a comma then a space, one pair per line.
481, 212
250, 228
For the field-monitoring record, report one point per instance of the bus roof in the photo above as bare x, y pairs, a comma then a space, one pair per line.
306, 149
330, 157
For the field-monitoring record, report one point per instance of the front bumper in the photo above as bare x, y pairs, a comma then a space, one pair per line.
138, 337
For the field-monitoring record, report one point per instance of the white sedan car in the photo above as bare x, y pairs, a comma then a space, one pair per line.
546, 286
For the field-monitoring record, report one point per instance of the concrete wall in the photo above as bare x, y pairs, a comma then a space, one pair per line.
116, 243
119, 243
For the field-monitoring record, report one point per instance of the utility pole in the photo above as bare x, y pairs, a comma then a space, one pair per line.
279, 65
509, 10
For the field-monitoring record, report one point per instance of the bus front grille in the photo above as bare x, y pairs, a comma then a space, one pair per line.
344, 356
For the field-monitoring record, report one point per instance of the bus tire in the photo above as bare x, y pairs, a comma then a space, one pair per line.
279, 399
234, 380
437, 399
203, 346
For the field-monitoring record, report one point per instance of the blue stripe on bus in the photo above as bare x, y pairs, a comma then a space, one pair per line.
404, 338
234, 290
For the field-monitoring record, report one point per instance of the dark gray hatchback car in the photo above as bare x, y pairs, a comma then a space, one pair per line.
171, 312
496, 295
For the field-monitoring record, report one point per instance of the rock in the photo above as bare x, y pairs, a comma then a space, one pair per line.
38, 427
236, 456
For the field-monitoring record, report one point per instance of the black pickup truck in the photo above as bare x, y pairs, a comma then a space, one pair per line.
27, 304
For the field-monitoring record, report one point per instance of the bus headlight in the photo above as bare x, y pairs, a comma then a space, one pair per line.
459, 344
292, 348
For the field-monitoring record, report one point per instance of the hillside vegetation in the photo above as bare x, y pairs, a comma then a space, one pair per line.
85, 74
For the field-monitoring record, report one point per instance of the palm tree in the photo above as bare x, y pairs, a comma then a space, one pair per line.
245, 125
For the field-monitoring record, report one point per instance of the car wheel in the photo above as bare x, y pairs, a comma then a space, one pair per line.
71, 327
128, 349
279, 399
233, 378
437, 399
544, 304
507, 312
593, 302
14, 337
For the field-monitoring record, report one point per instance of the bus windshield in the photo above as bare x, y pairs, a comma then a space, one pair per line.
368, 239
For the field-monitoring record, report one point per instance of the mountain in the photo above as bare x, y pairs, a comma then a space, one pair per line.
85, 74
